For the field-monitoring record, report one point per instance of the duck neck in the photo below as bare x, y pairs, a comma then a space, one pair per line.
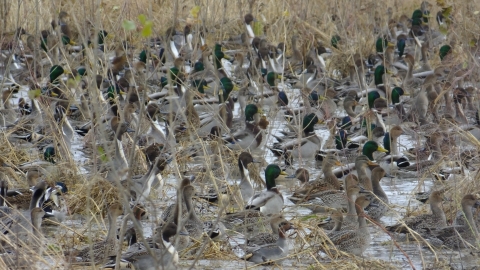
245, 180
364, 180
120, 154
436, 209
338, 226
410, 71
282, 240
3, 195
349, 111
467, 210
152, 174
112, 226
330, 177
377, 188
6, 102
351, 210
362, 223
36, 226
190, 208
37, 197
394, 145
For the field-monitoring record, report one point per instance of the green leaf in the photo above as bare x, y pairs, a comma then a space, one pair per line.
305, 218
258, 28
103, 155
142, 18
194, 11
147, 29
33, 94
128, 25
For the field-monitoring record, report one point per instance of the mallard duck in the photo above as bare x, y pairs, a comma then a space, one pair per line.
328, 182
305, 147
354, 241
424, 222
269, 201
336, 199
99, 252
392, 161
464, 231
376, 195
434, 141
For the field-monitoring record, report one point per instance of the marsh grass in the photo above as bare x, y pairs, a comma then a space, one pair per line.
311, 20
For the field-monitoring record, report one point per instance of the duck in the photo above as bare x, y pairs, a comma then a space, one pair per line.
424, 222
305, 147
54, 205
99, 252
464, 232
27, 198
376, 195
8, 215
192, 223
271, 252
354, 241
328, 182
391, 162
8, 115
251, 137
243, 192
163, 254
434, 140
119, 162
269, 201
140, 188
276, 223
24, 258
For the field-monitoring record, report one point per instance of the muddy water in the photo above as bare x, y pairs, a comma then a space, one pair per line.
382, 248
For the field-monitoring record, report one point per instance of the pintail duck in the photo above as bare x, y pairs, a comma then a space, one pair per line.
140, 188
161, 255
271, 252
354, 241
464, 233
305, 147
54, 205
251, 136
27, 198
25, 258
424, 222
243, 192
99, 252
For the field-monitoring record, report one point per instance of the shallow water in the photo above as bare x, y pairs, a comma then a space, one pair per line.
400, 193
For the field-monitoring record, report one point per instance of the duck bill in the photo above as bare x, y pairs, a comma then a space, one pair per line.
381, 149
